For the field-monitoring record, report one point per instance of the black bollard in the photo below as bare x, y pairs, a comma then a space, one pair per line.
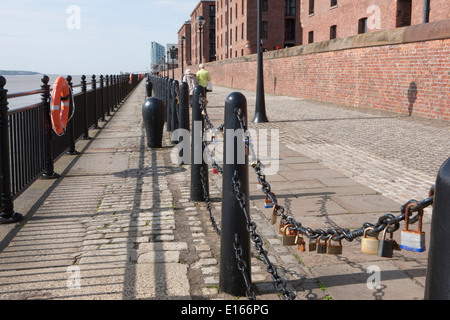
175, 110
183, 121
149, 87
437, 286
233, 218
197, 148
153, 111
169, 104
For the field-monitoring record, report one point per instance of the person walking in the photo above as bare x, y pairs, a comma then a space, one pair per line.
191, 80
203, 77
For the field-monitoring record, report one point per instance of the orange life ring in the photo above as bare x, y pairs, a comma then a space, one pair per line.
131, 79
59, 108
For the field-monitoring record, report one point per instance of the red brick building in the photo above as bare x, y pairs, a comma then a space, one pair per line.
236, 26
207, 9
329, 19
231, 25
185, 31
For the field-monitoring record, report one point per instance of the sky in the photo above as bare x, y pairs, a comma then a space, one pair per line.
86, 36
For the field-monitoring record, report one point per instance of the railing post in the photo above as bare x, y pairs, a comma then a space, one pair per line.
70, 126
106, 96
233, 218
114, 93
197, 149
102, 88
7, 214
85, 103
437, 286
45, 97
110, 92
94, 88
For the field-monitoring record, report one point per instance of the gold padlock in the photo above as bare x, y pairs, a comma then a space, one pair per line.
334, 248
289, 235
312, 245
369, 245
321, 246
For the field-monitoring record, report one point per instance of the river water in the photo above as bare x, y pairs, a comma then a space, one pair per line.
16, 84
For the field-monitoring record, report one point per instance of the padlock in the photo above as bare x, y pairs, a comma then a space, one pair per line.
215, 171
321, 246
300, 242
289, 235
268, 203
273, 219
369, 245
246, 141
413, 240
334, 249
312, 245
386, 246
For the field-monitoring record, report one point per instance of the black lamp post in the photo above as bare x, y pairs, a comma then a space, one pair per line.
164, 66
173, 52
182, 38
168, 64
260, 106
200, 21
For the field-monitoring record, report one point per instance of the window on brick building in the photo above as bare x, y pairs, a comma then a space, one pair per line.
242, 5
231, 15
242, 32
231, 36
311, 6
362, 25
236, 34
265, 30
289, 7
311, 37
242, 52
426, 16
333, 3
333, 32
289, 30
404, 10
265, 6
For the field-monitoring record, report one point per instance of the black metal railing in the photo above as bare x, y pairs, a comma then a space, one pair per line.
28, 145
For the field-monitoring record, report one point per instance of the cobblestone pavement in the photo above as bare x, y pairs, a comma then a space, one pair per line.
396, 155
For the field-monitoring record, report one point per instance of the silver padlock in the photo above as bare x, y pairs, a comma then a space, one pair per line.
413, 240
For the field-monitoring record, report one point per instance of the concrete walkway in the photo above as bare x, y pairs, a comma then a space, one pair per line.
119, 223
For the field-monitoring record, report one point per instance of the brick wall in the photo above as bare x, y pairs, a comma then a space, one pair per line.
406, 70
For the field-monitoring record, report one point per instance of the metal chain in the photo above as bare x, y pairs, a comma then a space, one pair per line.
212, 160
247, 139
386, 221
208, 123
242, 266
202, 102
280, 283
207, 202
